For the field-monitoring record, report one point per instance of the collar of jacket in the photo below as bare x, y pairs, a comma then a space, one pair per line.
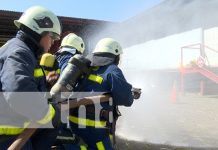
101, 61
67, 49
31, 43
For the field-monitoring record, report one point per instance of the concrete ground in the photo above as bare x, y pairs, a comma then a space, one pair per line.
167, 120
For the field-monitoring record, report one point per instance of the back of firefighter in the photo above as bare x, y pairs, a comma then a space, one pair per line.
21, 100
71, 44
107, 78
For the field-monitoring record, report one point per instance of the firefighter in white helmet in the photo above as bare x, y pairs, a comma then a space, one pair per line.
71, 44
106, 77
22, 101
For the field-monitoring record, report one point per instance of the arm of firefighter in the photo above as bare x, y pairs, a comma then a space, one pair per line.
23, 138
20, 90
48, 117
25, 72
87, 101
120, 88
28, 132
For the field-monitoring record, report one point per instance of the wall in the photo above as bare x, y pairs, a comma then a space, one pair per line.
211, 43
164, 53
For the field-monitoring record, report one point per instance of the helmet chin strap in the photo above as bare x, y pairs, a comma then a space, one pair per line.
117, 60
32, 40
31, 34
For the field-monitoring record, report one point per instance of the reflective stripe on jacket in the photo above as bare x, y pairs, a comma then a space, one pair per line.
108, 79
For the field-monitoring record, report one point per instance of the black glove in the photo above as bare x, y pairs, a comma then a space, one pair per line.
136, 92
56, 121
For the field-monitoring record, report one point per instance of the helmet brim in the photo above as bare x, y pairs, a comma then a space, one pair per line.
17, 23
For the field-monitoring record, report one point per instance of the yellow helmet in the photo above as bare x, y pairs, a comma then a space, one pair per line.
47, 60
40, 19
108, 45
72, 40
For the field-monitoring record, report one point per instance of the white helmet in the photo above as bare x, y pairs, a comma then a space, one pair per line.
72, 40
40, 19
108, 45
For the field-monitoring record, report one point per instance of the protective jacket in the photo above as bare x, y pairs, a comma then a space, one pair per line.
107, 79
20, 99
63, 56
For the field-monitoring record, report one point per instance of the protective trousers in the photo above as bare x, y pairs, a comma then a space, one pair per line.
95, 138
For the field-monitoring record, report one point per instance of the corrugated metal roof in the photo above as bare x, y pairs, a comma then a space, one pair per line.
79, 26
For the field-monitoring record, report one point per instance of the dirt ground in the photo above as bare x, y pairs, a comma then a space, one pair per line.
159, 121
133, 145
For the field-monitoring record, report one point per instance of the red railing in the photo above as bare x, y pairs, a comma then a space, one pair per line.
197, 68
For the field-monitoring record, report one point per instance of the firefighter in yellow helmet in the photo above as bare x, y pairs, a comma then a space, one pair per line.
71, 44
22, 100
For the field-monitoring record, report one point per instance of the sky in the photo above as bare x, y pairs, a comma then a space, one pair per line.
108, 10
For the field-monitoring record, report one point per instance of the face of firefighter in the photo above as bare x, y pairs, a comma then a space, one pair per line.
47, 41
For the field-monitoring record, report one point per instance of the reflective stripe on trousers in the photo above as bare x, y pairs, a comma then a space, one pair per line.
87, 122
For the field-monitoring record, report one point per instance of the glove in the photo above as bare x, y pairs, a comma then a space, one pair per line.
56, 121
136, 92
51, 78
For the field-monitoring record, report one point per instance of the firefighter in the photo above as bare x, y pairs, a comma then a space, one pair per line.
71, 44
22, 101
106, 77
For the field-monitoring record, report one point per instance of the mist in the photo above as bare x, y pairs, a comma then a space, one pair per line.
152, 43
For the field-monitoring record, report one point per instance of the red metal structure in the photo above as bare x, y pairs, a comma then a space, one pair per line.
201, 66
